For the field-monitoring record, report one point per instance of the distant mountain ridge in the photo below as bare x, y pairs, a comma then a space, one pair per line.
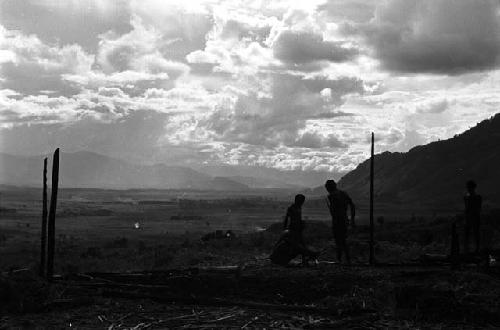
435, 173
85, 169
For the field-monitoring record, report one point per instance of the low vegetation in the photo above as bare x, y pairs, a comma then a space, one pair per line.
169, 238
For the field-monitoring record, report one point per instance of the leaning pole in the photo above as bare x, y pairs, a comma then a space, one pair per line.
372, 161
52, 216
43, 231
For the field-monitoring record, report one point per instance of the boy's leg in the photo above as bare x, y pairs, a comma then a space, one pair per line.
346, 250
342, 232
467, 234
477, 234
339, 245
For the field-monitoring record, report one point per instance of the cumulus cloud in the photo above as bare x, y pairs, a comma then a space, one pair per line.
313, 140
31, 66
236, 45
66, 22
123, 78
137, 50
359, 11
237, 59
286, 84
105, 104
449, 36
438, 106
298, 48
235, 29
183, 26
131, 61
275, 118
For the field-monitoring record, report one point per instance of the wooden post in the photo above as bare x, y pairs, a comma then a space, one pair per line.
455, 247
52, 216
43, 231
372, 161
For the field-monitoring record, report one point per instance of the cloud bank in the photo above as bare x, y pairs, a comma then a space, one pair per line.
284, 84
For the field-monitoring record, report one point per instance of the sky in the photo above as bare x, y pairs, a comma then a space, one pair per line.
282, 84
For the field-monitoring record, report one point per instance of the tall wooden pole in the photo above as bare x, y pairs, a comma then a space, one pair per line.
372, 161
52, 216
43, 231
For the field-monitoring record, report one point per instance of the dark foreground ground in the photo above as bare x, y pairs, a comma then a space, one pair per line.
230, 283
261, 296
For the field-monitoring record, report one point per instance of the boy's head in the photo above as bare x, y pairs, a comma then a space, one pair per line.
330, 186
471, 186
300, 199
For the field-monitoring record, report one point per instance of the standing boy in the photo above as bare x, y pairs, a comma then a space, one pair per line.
472, 203
338, 202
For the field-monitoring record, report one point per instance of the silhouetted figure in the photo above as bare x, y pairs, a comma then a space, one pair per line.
291, 242
338, 202
288, 248
293, 218
472, 203
293, 222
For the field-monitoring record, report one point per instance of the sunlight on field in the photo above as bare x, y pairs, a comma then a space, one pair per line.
123, 230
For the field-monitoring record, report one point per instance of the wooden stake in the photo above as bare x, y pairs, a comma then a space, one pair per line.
43, 231
455, 248
372, 161
52, 216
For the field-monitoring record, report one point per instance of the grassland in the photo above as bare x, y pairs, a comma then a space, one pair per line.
123, 231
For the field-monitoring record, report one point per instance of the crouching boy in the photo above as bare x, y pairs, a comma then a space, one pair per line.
291, 243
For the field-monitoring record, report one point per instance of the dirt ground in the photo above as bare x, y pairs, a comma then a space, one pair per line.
262, 296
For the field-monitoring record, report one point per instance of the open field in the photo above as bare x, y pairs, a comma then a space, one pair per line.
161, 232
127, 229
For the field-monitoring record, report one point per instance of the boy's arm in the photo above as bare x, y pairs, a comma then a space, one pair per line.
353, 214
353, 211
329, 205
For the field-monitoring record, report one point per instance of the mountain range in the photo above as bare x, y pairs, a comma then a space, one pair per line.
86, 169
432, 174
435, 173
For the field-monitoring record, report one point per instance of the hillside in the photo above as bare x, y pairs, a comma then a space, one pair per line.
435, 173
90, 170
